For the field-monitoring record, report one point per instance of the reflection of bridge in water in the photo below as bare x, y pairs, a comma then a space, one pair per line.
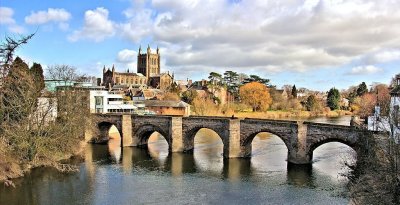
179, 164
300, 138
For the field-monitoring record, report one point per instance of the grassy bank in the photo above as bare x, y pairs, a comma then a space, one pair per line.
376, 178
278, 114
11, 167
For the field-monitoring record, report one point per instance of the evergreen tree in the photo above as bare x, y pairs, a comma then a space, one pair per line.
311, 103
256, 78
294, 91
333, 99
188, 96
362, 89
38, 77
231, 79
19, 95
215, 78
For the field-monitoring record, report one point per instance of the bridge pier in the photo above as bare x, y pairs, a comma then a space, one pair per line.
298, 149
176, 135
126, 135
232, 147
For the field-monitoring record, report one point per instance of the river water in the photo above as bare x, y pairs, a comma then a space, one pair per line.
111, 175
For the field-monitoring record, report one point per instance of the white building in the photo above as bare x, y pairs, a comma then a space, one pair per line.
389, 123
394, 114
102, 101
46, 111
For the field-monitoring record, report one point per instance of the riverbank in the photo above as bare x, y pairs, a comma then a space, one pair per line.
12, 168
376, 178
278, 114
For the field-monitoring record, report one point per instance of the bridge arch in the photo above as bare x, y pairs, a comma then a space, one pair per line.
245, 141
324, 141
144, 132
104, 128
190, 135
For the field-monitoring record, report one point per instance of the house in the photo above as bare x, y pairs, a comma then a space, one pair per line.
101, 101
152, 94
394, 113
168, 107
389, 123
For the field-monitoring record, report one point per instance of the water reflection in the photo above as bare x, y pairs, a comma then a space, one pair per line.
141, 158
300, 175
180, 163
208, 148
158, 147
114, 149
236, 169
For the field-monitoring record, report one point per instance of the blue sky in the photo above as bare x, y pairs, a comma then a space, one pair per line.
317, 44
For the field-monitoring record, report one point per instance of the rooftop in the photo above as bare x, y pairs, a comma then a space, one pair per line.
165, 103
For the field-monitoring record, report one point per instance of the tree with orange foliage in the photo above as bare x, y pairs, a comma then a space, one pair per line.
367, 104
255, 95
383, 98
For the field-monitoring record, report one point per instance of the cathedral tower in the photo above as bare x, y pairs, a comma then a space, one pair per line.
148, 63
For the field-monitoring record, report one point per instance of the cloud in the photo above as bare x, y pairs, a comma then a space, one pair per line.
126, 59
126, 55
6, 18
138, 26
6, 15
265, 36
365, 70
386, 56
97, 26
51, 15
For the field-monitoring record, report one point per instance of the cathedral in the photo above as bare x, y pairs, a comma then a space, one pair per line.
148, 73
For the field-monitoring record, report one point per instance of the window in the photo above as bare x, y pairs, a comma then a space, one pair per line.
99, 100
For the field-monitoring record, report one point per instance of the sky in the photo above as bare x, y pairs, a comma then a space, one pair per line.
317, 44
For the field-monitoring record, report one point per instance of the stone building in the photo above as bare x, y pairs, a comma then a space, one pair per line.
148, 73
148, 63
161, 81
111, 78
168, 107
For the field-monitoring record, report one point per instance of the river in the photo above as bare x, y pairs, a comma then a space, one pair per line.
111, 175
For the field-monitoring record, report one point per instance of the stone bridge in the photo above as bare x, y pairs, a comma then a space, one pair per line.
301, 138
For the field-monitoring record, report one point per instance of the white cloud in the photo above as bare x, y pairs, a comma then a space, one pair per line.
126, 59
6, 18
126, 56
273, 36
97, 26
51, 15
365, 70
6, 15
387, 56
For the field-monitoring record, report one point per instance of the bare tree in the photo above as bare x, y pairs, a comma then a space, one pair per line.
62, 72
7, 50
